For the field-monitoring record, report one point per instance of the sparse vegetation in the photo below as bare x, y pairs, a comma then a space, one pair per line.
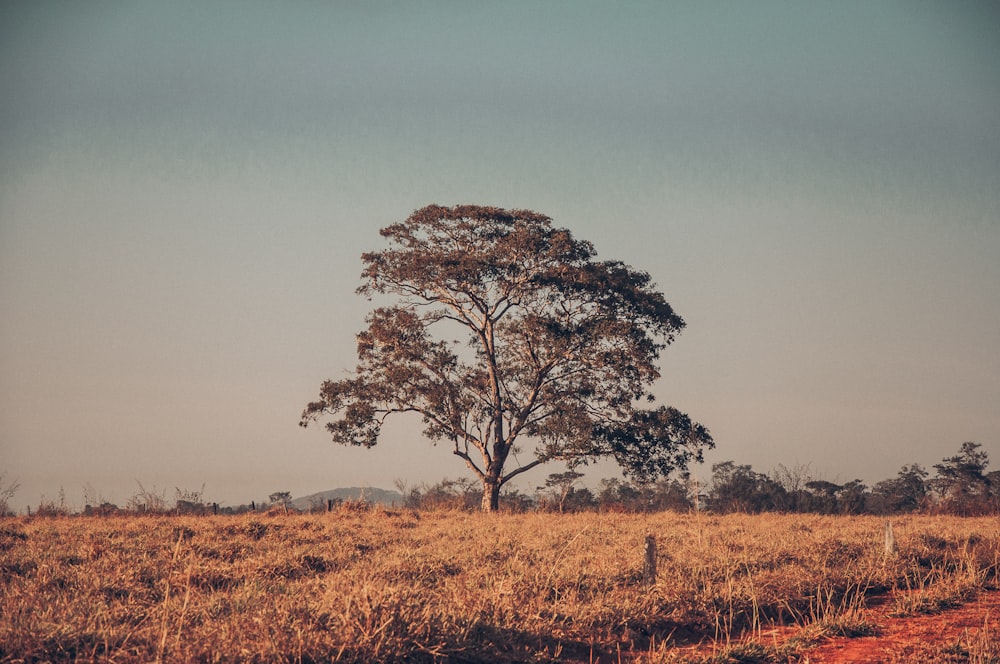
7, 490
280, 499
376, 584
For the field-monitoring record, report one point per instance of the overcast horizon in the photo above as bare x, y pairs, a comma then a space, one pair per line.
186, 190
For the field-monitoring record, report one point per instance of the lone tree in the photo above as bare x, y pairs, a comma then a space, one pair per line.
537, 343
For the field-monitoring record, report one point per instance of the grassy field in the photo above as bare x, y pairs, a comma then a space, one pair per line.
394, 585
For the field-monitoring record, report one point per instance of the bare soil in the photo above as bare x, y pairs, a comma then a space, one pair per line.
949, 635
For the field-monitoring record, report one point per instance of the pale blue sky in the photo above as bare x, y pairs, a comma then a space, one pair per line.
186, 189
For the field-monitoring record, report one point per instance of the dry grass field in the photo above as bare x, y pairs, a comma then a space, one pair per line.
378, 585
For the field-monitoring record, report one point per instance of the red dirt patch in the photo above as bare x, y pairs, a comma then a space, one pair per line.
913, 638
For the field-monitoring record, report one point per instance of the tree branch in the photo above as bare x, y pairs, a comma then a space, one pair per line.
517, 471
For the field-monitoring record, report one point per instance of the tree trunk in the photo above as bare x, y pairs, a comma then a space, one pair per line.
491, 494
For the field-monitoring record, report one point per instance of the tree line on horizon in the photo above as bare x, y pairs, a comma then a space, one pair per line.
961, 485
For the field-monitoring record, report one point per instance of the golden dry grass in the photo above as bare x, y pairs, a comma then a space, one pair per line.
394, 585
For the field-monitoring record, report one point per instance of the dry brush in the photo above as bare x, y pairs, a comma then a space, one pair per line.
389, 585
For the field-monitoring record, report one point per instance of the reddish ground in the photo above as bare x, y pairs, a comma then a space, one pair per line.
966, 633
915, 638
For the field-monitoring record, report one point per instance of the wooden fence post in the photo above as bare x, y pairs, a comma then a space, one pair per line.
649, 564
890, 540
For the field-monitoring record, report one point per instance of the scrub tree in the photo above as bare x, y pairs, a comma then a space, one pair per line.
506, 336
962, 483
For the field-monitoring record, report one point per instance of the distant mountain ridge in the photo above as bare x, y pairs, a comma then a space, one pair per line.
357, 493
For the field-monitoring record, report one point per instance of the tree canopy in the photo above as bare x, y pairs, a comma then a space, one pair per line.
962, 482
507, 332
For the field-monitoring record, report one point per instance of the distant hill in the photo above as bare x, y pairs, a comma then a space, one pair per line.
368, 494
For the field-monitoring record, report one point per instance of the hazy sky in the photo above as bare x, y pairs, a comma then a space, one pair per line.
186, 189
